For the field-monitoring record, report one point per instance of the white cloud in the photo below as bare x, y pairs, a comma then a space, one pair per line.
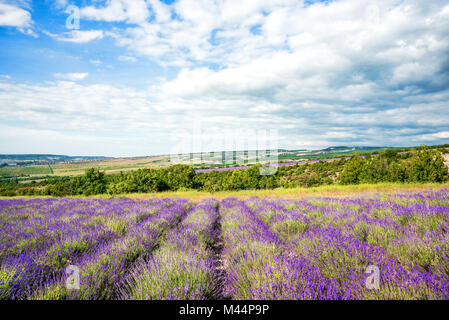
445, 11
78, 36
434, 136
385, 34
12, 15
136, 117
413, 70
61, 3
349, 72
71, 76
127, 59
131, 11
162, 12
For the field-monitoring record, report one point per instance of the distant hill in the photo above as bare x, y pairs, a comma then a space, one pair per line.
45, 157
25, 166
21, 159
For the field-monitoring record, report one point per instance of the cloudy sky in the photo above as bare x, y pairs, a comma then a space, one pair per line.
137, 74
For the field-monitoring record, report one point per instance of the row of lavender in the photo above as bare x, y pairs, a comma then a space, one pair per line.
40, 238
322, 248
319, 248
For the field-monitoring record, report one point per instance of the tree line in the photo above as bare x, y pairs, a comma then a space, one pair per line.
420, 165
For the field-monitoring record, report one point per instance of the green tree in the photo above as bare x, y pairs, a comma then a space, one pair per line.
352, 170
427, 165
390, 155
92, 182
374, 170
179, 177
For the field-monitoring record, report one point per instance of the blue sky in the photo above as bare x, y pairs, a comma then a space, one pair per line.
139, 75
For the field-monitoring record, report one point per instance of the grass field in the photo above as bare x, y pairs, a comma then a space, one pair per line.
299, 193
110, 166
291, 193
38, 170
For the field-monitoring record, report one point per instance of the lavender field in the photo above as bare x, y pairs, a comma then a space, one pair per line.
314, 248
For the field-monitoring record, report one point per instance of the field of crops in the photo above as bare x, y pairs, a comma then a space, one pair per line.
314, 248
38, 170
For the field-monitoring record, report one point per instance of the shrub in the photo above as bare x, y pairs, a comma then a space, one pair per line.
427, 165
352, 170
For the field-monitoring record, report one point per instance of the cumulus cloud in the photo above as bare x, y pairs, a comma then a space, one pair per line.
340, 72
139, 116
71, 76
434, 136
354, 45
12, 15
131, 11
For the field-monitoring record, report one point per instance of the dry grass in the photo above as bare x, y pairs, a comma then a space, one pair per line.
298, 193
293, 193
110, 166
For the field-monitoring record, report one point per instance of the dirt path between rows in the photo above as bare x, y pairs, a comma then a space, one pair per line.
220, 267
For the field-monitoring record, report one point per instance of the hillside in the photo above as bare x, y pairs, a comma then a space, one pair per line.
34, 166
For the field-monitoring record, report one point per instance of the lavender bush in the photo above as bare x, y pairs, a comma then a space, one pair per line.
315, 248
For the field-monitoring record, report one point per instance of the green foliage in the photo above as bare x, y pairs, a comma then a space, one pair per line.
142, 180
427, 165
391, 154
28, 192
92, 182
15, 171
352, 170
7, 193
58, 189
374, 169
179, 176
420, 165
